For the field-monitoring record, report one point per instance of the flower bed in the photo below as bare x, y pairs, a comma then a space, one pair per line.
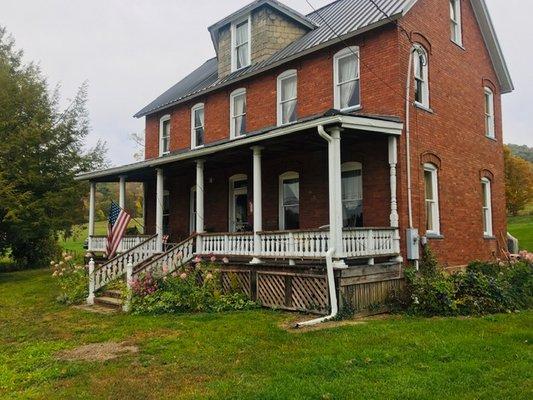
72, 278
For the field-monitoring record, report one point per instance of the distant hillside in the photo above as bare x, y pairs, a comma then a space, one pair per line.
523, 151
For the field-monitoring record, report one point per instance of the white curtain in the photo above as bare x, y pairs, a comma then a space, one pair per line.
288, 97
347, 79
241, 42
239, 110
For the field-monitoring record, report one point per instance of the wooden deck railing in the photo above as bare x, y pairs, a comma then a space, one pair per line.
99, 243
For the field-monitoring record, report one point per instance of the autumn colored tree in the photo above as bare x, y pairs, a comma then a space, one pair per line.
518, 182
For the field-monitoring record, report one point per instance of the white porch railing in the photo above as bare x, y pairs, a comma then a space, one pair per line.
361, 242
99, 243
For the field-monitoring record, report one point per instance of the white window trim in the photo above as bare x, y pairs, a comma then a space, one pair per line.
487, 230
195, 108
286, 75
232, 191
164, 119
457, 37
192, 210
233, 95
490, 129
435, 183
234, 43
353, 166
281, 209
347, 52
425, 75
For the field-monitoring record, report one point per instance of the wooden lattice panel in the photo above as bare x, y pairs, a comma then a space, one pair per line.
369, 296
309, 293
271, 289
237, 280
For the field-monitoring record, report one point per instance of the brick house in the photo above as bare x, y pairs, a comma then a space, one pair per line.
359, 131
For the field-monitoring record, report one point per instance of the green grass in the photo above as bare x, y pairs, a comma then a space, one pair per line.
248, 356
521, 227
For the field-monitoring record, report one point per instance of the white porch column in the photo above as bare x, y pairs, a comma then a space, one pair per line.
258, 202
122, 191
200, 227
92, 205
159, 209
394, 218
335, 194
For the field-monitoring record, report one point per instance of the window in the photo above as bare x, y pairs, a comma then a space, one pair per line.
421, 71
455, 21
489, 113
289, 201
287, 97
238, 203
240, 44
352, 195
197, 126
164, 135
431, 199
238, 113
192, 210
346, 79
487, 207
166, 212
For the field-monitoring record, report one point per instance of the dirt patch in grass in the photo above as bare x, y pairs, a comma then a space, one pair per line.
98, 352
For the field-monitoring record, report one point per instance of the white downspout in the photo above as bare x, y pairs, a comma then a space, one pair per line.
329, 264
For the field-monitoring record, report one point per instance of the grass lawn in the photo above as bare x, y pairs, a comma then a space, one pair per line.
249, 356
521, 227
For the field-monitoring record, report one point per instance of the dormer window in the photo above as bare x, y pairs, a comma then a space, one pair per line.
240, 44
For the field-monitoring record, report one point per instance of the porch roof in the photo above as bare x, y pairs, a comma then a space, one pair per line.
388, 125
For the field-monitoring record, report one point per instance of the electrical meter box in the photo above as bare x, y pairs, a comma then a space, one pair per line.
413, 244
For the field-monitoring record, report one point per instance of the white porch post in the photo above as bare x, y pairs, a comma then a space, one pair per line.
199, 203
159, 210
122, 191
92, 205
394, 218
258, 204
335, 195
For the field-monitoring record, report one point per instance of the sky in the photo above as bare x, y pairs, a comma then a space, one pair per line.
130, 51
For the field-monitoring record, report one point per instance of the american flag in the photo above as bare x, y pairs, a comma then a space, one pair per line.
118, 222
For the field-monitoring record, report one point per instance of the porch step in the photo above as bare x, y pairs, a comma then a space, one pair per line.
109, 302
115, 294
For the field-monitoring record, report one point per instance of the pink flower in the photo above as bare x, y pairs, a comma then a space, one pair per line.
225, 260
183, 276
213, 258
197, 260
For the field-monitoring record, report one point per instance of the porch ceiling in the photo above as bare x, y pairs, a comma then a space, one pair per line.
301, 135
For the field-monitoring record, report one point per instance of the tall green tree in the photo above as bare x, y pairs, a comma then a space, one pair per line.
518, 182
42, 148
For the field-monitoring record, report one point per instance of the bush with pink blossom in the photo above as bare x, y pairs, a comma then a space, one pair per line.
72, 279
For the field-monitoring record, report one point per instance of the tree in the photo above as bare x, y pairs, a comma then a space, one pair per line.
42, 149
518, 182
523, 151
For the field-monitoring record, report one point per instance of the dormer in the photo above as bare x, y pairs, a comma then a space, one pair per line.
254, 33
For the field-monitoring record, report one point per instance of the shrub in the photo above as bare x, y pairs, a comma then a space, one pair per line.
484, 288
193, 289
72, 279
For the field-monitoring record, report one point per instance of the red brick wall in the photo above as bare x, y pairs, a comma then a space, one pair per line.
454, 133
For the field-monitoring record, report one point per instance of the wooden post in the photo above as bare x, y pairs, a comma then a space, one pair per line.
90, 298
159, 209
92, 205
258, 205
200, 225
394, 218
126, 307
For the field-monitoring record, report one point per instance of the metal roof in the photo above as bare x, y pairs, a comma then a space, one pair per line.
342, 18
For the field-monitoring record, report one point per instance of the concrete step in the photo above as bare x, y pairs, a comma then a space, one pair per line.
110, 302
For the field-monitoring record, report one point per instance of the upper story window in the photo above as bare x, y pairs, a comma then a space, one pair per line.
164, 135
352, 195
346, 79
431, 185
487, 207
421, 72
489, 113
455, 21
240, 44
197, 125
238, 113
287, 97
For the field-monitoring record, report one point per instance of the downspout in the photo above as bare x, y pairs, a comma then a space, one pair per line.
329, 265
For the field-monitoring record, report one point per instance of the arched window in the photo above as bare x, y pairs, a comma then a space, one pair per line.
287, 97
346, 79
164, 135
289, 201
489, 113
238, 113
487, 206
352, 195
431, 185
197, 125
421, 72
